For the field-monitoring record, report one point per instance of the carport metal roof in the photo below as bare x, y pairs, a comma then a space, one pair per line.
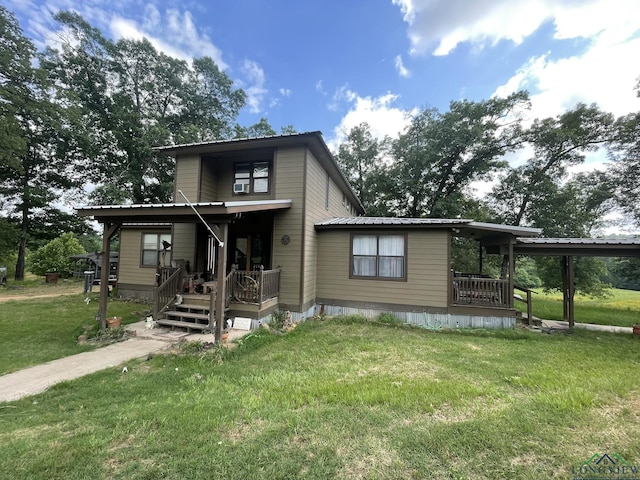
579, 247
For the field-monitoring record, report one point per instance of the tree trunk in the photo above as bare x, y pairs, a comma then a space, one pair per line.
22, 248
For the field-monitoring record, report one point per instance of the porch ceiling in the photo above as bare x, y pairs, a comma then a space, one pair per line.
216, 212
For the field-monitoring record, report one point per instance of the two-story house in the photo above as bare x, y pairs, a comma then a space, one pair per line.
271, 223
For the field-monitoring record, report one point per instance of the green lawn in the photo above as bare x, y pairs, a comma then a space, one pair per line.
341, 398
621, 308
41, 329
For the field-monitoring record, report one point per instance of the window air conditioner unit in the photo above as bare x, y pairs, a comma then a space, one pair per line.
240, 188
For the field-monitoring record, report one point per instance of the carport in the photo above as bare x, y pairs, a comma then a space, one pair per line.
567, 249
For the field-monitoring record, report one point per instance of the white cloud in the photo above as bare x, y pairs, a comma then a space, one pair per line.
447, 23
179, 35
285, 92
383, 117
172, 31
602, 75
320, 87
253, 85
402, 70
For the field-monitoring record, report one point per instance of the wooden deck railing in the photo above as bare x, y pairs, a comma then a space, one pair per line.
476, 291
170, 283
255, 287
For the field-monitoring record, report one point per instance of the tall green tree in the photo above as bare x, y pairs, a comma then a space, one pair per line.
361, 160
441, 154
125, 97
34, 166
626, 170
558, 143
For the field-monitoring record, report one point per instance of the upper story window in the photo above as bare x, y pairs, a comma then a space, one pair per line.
378, 256
156, 249
253, 175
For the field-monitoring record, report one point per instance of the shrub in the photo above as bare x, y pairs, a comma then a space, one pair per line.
54, 256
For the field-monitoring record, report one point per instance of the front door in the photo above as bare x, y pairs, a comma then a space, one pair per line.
251, 252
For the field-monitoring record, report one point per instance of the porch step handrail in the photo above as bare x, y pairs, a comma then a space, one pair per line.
166, 292
527, 300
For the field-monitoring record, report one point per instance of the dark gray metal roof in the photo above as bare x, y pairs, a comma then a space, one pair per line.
580, 241
593, 247
390, 221
178, 212
231, 141
462, 226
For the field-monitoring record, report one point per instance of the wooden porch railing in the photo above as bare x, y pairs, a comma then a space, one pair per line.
170, 283
254, 287
477, 291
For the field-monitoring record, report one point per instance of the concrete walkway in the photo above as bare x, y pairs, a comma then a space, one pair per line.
37, 379
559, 325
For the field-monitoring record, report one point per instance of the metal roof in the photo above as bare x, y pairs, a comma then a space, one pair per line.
464, 227
390, 221
580, 241
592, 247
178, 212
231, 141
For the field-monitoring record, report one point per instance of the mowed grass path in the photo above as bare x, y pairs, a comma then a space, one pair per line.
621, 307
341, 398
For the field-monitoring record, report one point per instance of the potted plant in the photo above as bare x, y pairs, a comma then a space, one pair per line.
114, 322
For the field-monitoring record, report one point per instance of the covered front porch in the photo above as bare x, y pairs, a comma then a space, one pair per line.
223, 289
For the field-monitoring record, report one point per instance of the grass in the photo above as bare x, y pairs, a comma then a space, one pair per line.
342, 398
621, 308
38, 330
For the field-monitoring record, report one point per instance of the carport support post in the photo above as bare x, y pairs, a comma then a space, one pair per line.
512, 273
110, 230
568, 291
221, 293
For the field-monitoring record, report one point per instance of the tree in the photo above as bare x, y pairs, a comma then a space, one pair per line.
55, 256
558, 143
440, 154
260, 129
124, 98
626, 153
34, 166
360, 158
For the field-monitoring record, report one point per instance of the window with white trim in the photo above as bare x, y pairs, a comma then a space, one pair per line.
153, 249
378, 256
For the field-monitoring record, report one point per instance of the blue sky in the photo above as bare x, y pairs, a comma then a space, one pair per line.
330, 65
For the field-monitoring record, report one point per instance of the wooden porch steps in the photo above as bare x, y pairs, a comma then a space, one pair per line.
183, 324
191, 314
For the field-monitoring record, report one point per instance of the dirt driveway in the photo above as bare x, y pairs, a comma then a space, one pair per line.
10, 292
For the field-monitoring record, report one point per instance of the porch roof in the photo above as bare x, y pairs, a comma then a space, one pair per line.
464, 227
178, 212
